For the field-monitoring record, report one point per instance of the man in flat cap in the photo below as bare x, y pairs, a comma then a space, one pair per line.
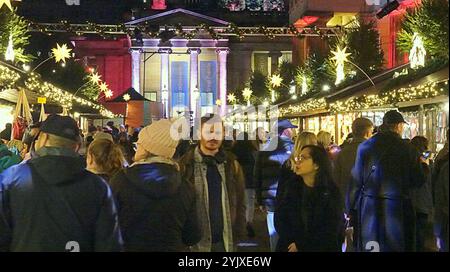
51, 203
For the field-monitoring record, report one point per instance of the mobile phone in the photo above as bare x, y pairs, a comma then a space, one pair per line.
426, 154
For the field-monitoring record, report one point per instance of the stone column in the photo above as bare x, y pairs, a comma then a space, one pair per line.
274, 56
222, 64
194, 52
136, 70
165, 53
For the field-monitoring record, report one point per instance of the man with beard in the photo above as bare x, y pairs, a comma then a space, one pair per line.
220, 189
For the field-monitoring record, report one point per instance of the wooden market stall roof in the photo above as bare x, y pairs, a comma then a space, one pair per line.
374, 96
12, 79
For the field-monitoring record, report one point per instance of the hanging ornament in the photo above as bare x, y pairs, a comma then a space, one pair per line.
103, 87
6, 3
231, 98
9, 54
61, 53
247, 94
108, 93
340, 56
95, 78
276, 80
417, 53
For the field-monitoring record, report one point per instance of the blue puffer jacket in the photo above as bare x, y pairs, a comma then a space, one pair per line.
52, 200
267, 170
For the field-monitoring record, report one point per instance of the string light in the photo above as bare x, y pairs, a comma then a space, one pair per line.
366, 102
8, 77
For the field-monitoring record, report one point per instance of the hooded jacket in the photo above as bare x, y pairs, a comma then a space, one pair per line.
52, 204
156, 207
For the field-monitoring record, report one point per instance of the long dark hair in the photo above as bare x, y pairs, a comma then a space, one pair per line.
319, 155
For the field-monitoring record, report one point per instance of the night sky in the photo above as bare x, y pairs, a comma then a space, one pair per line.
99, 11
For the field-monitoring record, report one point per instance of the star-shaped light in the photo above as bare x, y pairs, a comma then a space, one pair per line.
340, 55
7, 3
95, 78
247, 93
109, 94
126, 97
103, 87
231, 98
276, 80
219, 102
61, 53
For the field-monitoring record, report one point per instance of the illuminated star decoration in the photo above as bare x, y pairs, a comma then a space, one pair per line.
340, 56
417, 53
126, 97
61, 53
95, 78
103, 87
247, 93
7, 3
218, 102
109, 94
231, 98
276, 80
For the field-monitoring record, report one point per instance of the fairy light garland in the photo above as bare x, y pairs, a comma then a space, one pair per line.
8, 77
64, 98
179, 30
366, 102
306, 106
392, 98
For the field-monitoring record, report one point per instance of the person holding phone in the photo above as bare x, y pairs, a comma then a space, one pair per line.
422, 196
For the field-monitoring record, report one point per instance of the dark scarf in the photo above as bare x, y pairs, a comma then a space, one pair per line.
215, 194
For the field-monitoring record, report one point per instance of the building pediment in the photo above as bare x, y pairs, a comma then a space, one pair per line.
179, 16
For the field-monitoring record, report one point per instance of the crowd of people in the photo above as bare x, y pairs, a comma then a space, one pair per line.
127, 189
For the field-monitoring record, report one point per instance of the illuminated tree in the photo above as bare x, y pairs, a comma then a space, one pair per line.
15, 26
430, 22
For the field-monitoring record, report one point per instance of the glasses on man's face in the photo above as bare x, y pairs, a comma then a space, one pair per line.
301, 158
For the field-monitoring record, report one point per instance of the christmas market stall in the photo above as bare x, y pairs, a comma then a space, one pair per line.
26, 98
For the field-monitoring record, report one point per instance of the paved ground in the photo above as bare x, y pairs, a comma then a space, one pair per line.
261, 242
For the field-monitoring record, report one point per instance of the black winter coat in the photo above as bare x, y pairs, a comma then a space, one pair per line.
386, 171
52, 200
245, 154
316, 224
268, 165
156, 208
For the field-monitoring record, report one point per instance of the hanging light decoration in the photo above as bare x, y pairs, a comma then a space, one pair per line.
340, 56
61, 53
6, 3
9, 54
417, 53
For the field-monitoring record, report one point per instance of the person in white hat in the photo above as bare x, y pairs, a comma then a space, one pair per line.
156, 205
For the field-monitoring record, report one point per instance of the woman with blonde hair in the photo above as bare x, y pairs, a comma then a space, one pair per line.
325, 140
104, 158
303, 139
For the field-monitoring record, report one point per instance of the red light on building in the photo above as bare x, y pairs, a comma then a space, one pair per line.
305, 21
159, 5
